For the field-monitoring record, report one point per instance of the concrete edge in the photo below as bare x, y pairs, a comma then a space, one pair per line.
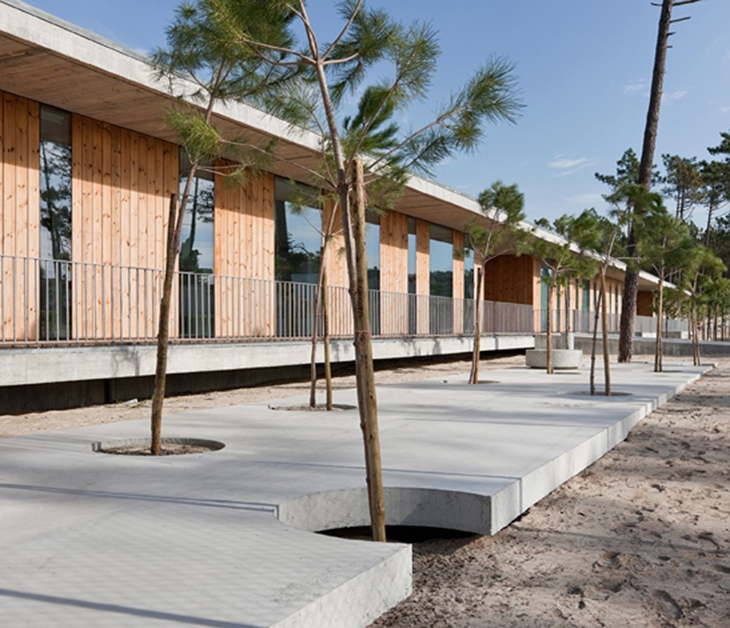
361, 600
31, 365
515, 499
404, 505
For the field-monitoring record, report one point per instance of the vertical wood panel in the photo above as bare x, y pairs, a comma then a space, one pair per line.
335, 262
9, 176
340, 310
423, 280
2, 186
244, 254
19, 217
20, 210
20, 214
393, 273
458, 282
120, 186
32, 218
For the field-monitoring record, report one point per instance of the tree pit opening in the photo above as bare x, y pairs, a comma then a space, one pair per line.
169, 447
399, 534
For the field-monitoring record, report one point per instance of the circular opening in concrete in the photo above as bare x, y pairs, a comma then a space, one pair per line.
336, 407
170, 447
399, 534
410, 507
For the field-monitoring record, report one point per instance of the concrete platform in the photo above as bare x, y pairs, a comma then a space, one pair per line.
562, 358
220, 539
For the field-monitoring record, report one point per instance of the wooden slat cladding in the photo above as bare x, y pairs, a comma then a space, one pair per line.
339, 307
244, 255
19, 215
423, 275
394, 273
511, 279
121, 185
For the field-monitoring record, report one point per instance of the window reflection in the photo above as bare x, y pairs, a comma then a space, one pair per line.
297, 244
298, 236
441, 315
197, 286
55, 224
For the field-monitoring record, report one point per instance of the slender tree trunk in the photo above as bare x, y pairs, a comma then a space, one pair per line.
365, 376
326, 341
658, 349
474, 375
364, 364
316, 315
631, 280
606, 348
594, 343
695, 331
567, 315
708, 229
163, 333
549, 343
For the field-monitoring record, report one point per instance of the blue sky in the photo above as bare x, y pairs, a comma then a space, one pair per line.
584, 70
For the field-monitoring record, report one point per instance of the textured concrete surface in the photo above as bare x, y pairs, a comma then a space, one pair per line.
100, 540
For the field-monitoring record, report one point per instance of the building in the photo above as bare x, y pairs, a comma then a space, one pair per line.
88, 167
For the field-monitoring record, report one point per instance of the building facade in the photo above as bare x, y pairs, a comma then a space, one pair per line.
88, 170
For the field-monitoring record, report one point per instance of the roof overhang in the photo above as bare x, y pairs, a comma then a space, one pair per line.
54, 62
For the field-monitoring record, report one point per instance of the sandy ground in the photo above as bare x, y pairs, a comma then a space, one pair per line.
641, 538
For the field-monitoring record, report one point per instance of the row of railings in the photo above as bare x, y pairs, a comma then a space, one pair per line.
50, 302
584, 321
45, 301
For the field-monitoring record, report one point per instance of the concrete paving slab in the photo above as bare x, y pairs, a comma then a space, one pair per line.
222, 539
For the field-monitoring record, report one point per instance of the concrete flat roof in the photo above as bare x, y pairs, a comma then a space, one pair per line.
223, 538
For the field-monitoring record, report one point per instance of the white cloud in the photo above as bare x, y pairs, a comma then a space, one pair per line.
674, 96
636, 87
725, 109
567, 166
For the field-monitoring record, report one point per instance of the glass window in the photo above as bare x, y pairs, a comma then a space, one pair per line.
412, 301
411, 256
441, 267
545, 275
197, 254
55, 224
468, 272
197, 235
372, 249
55, 184
297, 244
441, 261
298, 237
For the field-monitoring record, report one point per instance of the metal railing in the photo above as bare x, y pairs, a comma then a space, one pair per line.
583, 321
51, 302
